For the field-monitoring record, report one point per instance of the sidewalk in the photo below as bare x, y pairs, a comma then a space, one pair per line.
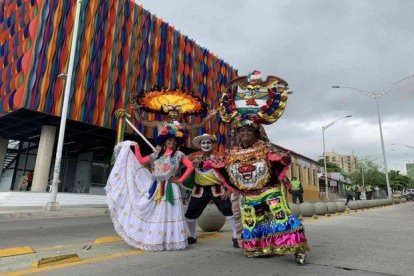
24, 212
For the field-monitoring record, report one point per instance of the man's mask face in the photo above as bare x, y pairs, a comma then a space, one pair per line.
206, 145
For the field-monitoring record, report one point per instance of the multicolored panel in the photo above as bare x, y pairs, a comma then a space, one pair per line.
122, 50
19, 24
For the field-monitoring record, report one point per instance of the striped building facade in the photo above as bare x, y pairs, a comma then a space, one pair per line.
122, 50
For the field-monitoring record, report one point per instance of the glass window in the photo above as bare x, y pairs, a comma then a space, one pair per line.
99, 174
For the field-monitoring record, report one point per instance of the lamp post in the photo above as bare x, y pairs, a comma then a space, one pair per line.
53, 205
324, 153
362, 173
377, 95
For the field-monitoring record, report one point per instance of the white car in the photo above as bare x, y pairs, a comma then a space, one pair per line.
408, 191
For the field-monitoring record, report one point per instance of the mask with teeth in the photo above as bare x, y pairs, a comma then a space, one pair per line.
248, 168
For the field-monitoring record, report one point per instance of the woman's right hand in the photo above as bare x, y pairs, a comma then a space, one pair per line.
196, 162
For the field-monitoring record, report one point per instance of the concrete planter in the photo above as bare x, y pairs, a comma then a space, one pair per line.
340, 206
295, 209
307, 209
331, 207
360, 204
211, 219
364, 203
403, 200
320, 208
353, 205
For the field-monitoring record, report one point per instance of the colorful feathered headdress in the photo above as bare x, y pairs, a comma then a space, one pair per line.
252, 100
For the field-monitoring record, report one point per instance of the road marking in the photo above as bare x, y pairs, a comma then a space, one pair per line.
81, 262
211, 235
60, 259
100, 240
60, 246
203, 236
13, 251
107, 239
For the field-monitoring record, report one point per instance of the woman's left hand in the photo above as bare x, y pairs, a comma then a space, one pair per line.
175, 180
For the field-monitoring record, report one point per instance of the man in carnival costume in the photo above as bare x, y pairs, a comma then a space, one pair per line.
145, 205
257, 171
207, 187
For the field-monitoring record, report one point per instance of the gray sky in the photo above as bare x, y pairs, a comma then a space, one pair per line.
314, 44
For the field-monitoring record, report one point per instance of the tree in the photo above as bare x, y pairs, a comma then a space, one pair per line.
399, 182
372, 174
330, 167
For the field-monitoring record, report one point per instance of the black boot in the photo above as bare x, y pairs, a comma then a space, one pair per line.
191, 240
235, 243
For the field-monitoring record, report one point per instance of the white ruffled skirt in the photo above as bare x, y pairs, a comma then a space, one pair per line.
142, 222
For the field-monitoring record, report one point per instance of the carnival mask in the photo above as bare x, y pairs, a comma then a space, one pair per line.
248, 168
206, 145
173, 111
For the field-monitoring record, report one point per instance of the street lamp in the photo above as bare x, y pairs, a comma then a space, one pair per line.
377, 95
324, 153
53, 205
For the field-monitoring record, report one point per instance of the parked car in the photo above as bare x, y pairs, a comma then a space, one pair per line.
408, 194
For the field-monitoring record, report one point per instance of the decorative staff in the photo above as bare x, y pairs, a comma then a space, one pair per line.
122, 116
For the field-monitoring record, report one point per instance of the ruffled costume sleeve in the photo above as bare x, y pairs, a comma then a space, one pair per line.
280, 166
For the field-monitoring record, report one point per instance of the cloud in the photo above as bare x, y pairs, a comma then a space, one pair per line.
314, 44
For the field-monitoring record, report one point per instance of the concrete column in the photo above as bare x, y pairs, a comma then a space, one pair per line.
3, 150
83, 172
43, 159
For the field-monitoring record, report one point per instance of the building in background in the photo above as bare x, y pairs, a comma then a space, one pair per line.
306, 171
336, 185
348, 163
122, 49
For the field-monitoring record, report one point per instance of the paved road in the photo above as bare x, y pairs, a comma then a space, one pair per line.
371, 242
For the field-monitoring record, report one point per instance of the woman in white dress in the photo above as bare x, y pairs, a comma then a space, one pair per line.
146, 207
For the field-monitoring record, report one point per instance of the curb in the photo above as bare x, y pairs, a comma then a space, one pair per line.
61, 259
64, 212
